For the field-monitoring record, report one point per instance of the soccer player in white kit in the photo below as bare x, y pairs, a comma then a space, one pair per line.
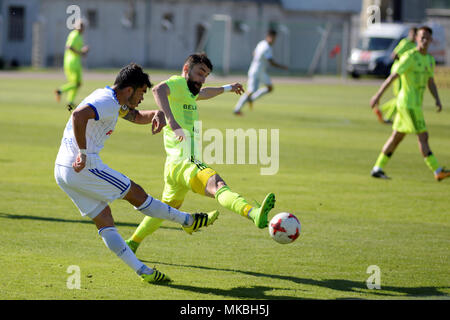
262, 55
92, 185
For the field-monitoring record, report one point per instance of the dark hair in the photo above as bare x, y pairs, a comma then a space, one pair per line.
413, 29
133, 76
272, 32
198, 58
425, 28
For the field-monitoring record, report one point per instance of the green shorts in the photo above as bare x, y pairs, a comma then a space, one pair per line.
409, 120
181, 177
73, 72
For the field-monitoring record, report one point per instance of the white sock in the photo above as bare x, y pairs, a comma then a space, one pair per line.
154, 208
114, 241
241, 103
259, 93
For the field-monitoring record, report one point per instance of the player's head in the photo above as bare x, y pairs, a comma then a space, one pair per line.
133, 82
196, 69
424, 37
271, 35
412, 33
80, 25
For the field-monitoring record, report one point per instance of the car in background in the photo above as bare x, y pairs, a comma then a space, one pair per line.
373, 53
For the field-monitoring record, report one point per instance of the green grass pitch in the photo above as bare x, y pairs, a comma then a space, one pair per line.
329, 140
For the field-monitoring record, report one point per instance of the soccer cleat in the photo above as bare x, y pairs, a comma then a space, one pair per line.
260, 213
379, 174
155, 277
442, 175
238, 113
378, 114
133, 245
202, 220
70, 107
58, 95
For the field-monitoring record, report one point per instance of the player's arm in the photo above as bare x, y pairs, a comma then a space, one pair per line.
81, 52
211, 92
161, 93
376, 98
155, 117
80, 118
434, 92
277, 65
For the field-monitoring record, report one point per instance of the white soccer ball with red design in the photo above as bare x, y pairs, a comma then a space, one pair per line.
284, 228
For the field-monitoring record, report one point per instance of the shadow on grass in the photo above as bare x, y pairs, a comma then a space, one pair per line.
52, 219
348, 286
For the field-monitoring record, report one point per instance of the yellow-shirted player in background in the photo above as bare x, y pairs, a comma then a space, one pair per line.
387, 110
75, 49
177, 98
416, 69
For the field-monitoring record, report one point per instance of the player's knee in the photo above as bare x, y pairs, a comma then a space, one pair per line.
214, 184
174, 203
136, 195
104, 219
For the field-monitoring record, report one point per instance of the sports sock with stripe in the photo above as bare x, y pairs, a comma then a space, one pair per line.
233, 201
114, 242
154, 208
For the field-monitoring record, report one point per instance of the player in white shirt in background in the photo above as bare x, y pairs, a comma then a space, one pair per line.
262, 56
92, 185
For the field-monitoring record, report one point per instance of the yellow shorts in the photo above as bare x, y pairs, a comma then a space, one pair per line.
409, 120
181, 177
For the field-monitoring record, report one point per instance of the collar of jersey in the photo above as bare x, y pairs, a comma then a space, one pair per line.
114, 93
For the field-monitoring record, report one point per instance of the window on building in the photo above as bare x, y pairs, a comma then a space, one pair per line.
92, 18
16, 23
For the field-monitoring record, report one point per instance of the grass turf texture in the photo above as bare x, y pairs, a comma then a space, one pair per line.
329, 140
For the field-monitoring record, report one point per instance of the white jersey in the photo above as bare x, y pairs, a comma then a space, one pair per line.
106, 107
261, 54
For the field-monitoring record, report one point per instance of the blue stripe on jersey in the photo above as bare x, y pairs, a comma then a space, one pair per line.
95, 110
110, 179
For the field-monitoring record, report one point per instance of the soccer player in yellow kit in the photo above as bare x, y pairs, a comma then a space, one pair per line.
388, 108
177, 98
75, 49
416, 70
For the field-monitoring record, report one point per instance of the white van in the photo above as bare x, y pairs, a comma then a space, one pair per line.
373, 53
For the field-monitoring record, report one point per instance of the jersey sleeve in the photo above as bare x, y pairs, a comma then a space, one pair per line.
405, 63
175, 85
432, 66
268, 54
71, 38
103, 107
400, 47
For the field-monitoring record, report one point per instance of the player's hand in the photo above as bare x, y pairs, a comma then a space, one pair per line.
438, 106
84, 50
158, 122
237, 88
374, 101
179, 133
79, 163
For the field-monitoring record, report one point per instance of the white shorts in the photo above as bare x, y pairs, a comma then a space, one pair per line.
92, 189
254, 79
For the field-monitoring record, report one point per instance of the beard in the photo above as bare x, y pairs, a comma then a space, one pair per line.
194, 87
